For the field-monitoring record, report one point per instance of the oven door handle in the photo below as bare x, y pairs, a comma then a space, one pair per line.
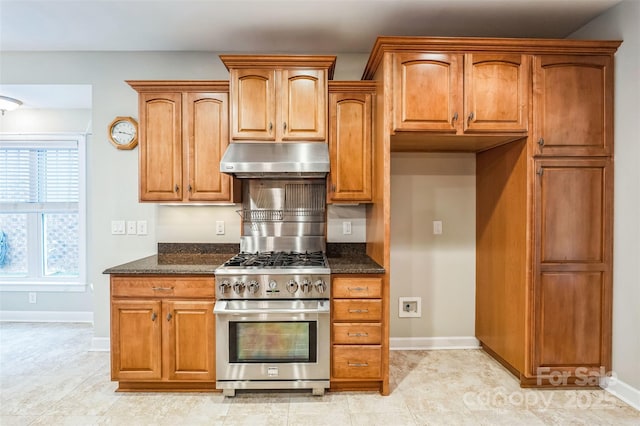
220, 308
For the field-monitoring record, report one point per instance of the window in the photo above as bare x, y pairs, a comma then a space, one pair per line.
42, 212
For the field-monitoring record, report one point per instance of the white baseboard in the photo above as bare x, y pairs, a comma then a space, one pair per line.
100, 344
625, 392
46, 316
433, 343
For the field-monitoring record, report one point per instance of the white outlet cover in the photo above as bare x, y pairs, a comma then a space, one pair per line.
219, 227
131, 227
141, 227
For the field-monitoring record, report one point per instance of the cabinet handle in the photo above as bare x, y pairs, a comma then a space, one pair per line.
540, 171
358, 334
162, 288
357, 364
470, 118
541, 142
154, 316
189, 188
270, 127
169, 316
358, 311
358, 288
176, 188
284, 126
455, 118
333, 187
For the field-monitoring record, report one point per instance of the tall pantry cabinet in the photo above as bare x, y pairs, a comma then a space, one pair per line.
544, 189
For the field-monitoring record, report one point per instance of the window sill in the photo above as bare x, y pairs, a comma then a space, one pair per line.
43, 287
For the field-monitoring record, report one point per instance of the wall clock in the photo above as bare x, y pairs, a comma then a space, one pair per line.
123, 132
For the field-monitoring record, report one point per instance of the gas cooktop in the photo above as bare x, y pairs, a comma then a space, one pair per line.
277, 260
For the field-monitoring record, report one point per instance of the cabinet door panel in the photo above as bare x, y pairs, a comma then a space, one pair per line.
161, 147
426, 91
350, 147
570, 319
304, 105
496, 88
136, 340
572, 208
207, 138
573, 105
189, 339
253, 110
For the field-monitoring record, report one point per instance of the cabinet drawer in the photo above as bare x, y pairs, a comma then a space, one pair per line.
357, 333
162, 287
357, 310
356, 287
357, 362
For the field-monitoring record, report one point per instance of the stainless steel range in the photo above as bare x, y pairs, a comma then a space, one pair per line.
272, 308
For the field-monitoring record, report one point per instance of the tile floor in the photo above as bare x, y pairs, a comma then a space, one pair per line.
49, 377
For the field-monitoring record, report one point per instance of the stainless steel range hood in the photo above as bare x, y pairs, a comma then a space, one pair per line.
276, 160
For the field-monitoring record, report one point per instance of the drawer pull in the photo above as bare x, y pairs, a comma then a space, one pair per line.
358, 334
154, 316
358, 364
358, 288
358, 311
162, 288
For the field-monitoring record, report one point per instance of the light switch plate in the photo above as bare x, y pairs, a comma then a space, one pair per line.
141, 227
131, 227
117, 227
437, 227
219, 227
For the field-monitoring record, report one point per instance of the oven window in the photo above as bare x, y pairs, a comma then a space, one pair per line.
272, 341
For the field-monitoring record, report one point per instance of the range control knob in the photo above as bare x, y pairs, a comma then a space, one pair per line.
306, 286
273, 284
292, 286
238, 287
253, 286
320, 286
224, 286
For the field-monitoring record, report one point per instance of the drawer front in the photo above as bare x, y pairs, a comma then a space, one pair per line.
359, 288
162, 287
357, 310
357, 362
357, 333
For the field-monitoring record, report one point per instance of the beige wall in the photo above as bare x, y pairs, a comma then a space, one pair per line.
621, 23
438, 268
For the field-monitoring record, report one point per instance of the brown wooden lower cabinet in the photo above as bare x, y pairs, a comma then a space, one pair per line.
162, 333
359, 350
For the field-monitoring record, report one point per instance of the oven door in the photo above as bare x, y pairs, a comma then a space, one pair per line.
272, 343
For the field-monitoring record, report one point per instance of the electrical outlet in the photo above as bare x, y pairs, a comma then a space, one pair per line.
141, 227
117, 227
410, 307
131, 227
437, 227
346, 228
219, 227
32, 297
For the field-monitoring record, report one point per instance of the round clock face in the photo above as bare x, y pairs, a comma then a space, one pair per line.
123, 132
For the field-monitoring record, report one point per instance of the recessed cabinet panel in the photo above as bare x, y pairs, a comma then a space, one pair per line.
208, 137
254, 104
304, 105
426, 91
573, 105
572, 208
161, 147
570, 319
496, 88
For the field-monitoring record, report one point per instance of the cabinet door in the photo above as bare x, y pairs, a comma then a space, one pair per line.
496, 92
573, 105
189, 340
350, 146
206, 136
427, 91
573, 263
136, 340
303, 98
253, 104
160, 147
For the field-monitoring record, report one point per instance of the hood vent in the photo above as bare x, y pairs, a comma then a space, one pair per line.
276, 160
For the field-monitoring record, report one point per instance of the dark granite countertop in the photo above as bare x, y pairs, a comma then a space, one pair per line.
203, 259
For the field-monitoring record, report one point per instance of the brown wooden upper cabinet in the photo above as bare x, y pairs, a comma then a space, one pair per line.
350, 143
278, 98
573, 105
184, 130
459, 93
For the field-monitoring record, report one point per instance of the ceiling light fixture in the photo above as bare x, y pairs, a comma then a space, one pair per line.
8, 104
